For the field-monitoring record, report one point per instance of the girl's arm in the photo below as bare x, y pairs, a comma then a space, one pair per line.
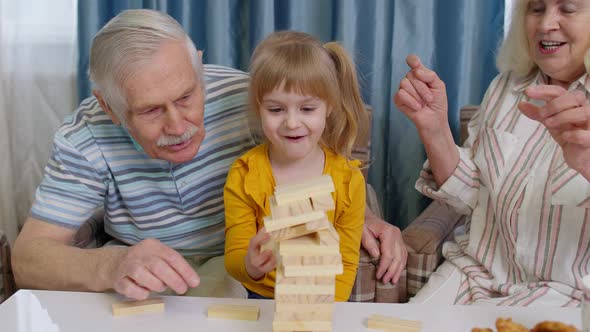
240, 225
349, 225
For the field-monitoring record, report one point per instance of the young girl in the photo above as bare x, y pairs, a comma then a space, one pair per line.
306, 98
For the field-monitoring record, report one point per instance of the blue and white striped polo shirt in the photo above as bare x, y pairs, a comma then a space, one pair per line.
96, 164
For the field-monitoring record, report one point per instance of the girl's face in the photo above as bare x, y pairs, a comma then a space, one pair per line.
292, 123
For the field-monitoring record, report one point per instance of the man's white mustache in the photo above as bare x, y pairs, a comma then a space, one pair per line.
166, 140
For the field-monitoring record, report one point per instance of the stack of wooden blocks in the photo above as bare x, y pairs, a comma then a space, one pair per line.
307, 249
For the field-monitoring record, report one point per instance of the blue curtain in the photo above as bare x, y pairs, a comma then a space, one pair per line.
456, 38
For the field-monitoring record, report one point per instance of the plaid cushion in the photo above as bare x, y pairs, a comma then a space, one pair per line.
425, 237
388, 293
365, 282
419, 268
366, 287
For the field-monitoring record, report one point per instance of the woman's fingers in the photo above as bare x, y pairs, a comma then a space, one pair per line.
578, 116
405, 102
577, 136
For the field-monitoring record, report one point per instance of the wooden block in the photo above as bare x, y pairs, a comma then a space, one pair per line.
280, 278
301, 266
277, 211
303, 298
128, 308
289, 193
327, 308
286, 198
272, 224
319, 243
319, 260
301, 207
322, 180
286, 316
323, 202
232, 311
302, 271
300, 230
318, 225
384, 323
282, 289
270, 245
329, 237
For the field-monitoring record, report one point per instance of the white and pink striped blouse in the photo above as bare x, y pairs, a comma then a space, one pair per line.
528, 241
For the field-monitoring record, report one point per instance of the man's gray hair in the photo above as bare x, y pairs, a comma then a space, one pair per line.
127, 42
513, 54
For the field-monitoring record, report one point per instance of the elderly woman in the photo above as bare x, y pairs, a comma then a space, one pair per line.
523, 174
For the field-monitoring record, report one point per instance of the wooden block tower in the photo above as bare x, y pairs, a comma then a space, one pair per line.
307, 248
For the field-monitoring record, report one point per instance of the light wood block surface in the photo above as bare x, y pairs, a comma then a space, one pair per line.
128, 308
230, 311
391, 324
272, 224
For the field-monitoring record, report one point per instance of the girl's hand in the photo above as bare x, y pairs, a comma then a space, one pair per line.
422, 97
566, 115
259, 263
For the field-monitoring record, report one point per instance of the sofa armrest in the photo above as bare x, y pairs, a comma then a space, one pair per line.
92, 234
366, 286
424, 238
8, 284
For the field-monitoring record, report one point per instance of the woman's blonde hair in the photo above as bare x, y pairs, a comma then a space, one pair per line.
302, 64
513, 54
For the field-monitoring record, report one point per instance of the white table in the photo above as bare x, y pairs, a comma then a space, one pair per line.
50, 311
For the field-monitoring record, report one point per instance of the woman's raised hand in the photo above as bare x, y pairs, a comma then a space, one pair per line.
422, 97
566, 115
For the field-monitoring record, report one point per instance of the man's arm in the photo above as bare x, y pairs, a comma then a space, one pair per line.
44, 259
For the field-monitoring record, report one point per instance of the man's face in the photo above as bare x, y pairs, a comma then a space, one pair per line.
166, 105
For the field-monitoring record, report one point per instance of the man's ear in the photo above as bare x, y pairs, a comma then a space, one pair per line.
200, 55
105, 107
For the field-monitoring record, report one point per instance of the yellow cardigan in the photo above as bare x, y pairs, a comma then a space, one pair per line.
249, 185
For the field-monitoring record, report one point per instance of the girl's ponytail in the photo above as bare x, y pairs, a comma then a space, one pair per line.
350, 126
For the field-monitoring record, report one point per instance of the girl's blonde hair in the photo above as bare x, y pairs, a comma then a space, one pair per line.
513, 54
301, 64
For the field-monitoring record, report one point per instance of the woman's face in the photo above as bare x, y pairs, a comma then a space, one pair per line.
558, 33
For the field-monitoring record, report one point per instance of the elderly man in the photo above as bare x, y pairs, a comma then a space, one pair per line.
153, 150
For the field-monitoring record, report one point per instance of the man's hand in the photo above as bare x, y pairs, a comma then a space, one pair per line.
566, 115
383, 239
258, 263
151, 266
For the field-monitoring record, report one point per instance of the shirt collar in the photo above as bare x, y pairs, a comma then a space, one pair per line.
135, 144
540, 78
584, 82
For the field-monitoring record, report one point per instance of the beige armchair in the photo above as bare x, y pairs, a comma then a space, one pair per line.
8, 285
424, 238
